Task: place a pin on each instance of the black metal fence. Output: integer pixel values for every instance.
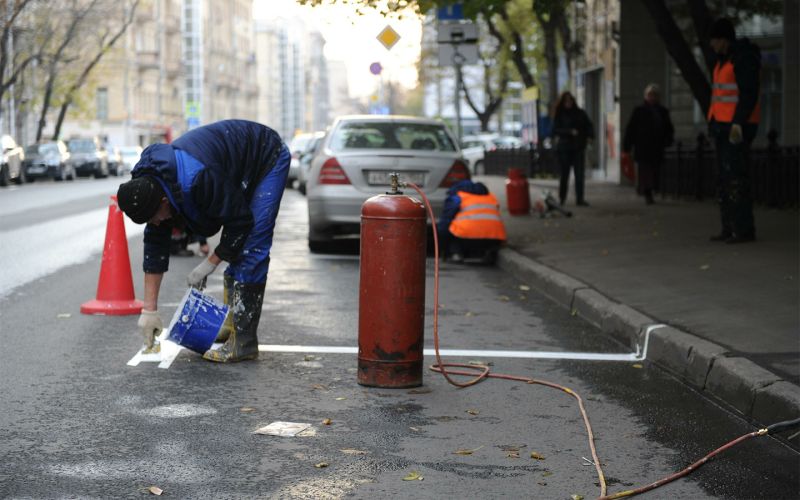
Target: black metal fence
(689, 173)
(692, 173)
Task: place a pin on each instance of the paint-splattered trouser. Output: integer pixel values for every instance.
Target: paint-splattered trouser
(733, 181)
(253, 265)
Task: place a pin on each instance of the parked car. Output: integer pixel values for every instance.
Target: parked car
(88, 157)
(356, 158)
(11, 168)
(475, 146)
(305, 158)
(130, 157)
(297, 145)
(48, 159)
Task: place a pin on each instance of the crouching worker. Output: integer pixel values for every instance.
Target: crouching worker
(228, 175)
(470, 225)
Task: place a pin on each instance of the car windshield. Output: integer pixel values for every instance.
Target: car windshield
(299, 143)
(129, 151)
(41, 149)
(81, 146)
(392, 135)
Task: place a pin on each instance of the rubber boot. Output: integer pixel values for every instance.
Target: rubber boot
(242, 344)
(227, 327)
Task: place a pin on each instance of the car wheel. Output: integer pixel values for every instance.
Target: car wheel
(72, 175)
(61, 175)
(479, 170)
(301, 188)
(4, 177)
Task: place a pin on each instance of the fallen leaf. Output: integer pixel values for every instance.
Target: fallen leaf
(504, 298)
(63, 315)
(466, 452)
(309, 357)
(524, 288)
(413, 476)
(512, 454)
(576, 497)
(155, 490)
(327, 421)
(469, 314)
(319, 387)
(247, 409)
(537, 456)
(321, 465)
(350, 451)
(415, 429)
(637, 365)
(340, 399)
(705, 267)
(547, 473)
(420, 391)
(473, 412)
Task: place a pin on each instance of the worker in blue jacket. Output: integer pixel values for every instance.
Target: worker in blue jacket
(228, 175)
(470, 224)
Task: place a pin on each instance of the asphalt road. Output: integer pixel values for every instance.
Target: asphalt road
(77, 422)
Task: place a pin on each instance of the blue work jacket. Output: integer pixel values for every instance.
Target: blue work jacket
(209, 175)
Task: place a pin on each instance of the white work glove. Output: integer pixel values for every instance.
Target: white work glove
(735, 135)
(150, 326)
(197, 278)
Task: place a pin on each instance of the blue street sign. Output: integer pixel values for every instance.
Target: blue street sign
(192, 122)
(453, 12)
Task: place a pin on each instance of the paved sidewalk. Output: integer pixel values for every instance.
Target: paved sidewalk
(732, 309)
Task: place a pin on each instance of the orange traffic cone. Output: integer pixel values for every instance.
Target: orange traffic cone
(115, 295)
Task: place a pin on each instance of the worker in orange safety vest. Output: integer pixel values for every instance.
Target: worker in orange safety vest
(470, 224)
(733, 122)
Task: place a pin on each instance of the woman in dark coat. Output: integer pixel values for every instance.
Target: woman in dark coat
(572, 129)
(649, 131)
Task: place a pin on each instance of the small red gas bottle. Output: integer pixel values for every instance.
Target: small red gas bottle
(518, 197)
(391, 307)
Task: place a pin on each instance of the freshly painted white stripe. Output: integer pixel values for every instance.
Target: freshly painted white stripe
(170, 350)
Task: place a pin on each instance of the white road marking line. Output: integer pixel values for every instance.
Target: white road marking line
(170, 350)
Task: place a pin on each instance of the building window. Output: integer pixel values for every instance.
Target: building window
(102, 103)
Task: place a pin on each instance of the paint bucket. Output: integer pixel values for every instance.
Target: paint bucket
(197, 321)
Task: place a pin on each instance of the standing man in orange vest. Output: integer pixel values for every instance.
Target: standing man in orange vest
(470, 224)
(733, 121)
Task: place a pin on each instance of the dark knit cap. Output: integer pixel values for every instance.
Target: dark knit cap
(723, 28)
(140, 198)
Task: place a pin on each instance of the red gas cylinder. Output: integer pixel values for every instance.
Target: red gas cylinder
(518, 197)
(391, 308)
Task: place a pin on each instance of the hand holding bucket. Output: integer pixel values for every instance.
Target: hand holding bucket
(197, 278)
(197, 321)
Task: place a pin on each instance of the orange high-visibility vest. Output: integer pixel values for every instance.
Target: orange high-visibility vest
(478, 218)
(725, 96)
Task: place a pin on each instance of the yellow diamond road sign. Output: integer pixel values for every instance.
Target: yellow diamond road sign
(388, 37)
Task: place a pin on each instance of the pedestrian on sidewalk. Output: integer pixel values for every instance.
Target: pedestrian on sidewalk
(228, 175)
(649, 131)
(733, 121)
(470, 225)
(572, 129)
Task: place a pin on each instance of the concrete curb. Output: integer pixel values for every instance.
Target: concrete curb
(761, 396)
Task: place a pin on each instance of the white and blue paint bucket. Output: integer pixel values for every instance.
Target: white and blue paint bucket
(197, 321)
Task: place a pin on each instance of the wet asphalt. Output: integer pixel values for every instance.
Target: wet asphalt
(76, 422)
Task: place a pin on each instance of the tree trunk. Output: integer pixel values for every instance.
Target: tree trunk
(517, 51)
(701, 18)
(48, 94)
(680, 52)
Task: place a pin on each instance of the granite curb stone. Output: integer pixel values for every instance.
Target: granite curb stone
(755, 392)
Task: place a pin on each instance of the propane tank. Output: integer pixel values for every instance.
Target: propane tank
(517, 195)
(391, 305)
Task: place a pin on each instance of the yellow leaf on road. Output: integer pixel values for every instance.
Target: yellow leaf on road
(466, 452)
(524, 288)
(350, 451)
(327, 421)
(637, 365)
(155, 490)
(537, 456)
(321, 465)
(413, 476)
(576, 497)
(473, 412)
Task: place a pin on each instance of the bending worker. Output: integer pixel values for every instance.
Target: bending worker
(733, 121)
(230, 175)
(470, 224)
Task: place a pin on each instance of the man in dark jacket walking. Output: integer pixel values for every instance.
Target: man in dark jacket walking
(572, 129)
(733, 121)
(228, 175)
(649, 131)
